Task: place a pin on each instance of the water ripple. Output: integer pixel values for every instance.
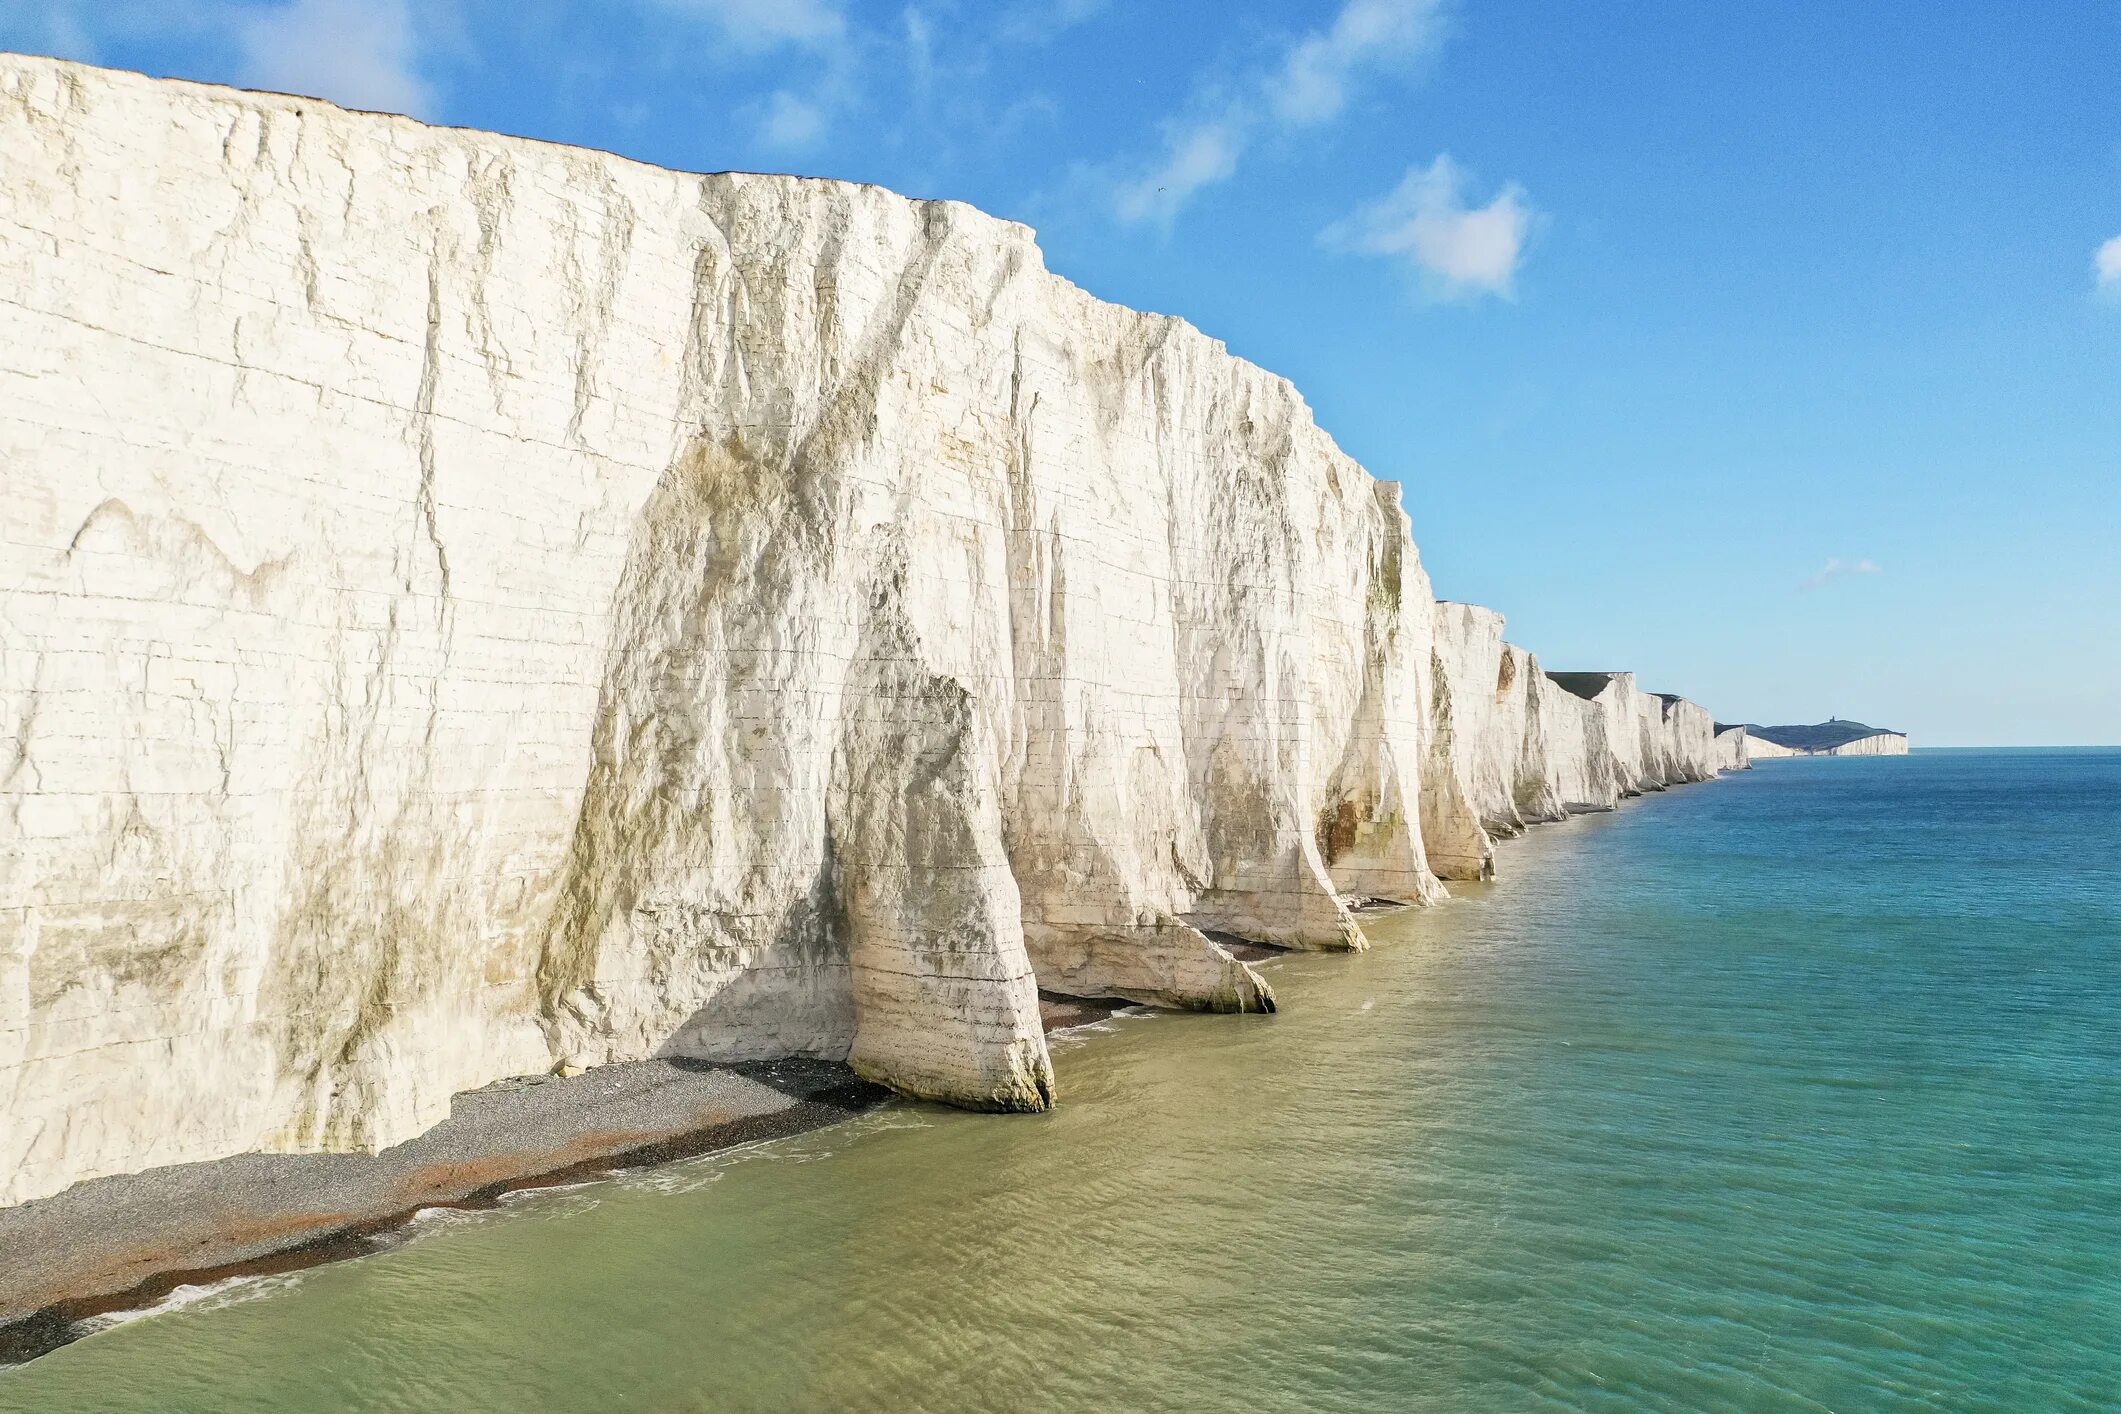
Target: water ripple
(1797, 1092)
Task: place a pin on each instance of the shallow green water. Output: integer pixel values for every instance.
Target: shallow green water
(1797, 1091)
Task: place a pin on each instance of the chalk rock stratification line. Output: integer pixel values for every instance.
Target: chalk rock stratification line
(475, 605)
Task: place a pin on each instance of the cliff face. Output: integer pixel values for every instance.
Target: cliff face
(1877, 744)
(1513, 746)
(475, 605)
(1836, 737)
(1734, 749)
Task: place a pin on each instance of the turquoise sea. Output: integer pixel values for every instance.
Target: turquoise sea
(1796, 1091)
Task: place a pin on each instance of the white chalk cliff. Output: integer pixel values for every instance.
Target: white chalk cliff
(473, 605)
(1734, 748)
(1876, 744)
(1835, 737)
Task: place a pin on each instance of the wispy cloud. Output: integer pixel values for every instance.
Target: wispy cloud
(1320, 70)
(2106, 267)
(1196, 155)
(1035, 21)
(1455, 250)
(796, 72)
(54, 27)
(1836, 568)
(360, 53)
(1310, 81)
(831, 60)
(767, 24)
(790, 123)
(88, 30)
(920, 56)
(928, 78)
(796, 117)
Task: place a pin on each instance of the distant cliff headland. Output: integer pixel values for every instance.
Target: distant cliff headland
(1834, 737)
(480, 608)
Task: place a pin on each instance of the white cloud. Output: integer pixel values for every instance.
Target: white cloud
(1035, 21)
(1457, 250)
(2106, 266)
(790, 123)
(768, 24)
(359, 53)
(87, 30)
(1315, 79)
(916, 71)
(920, 57)
(1310, 82)
(53, 27)
(792, 119)
(1835, 568)
(1194, 157)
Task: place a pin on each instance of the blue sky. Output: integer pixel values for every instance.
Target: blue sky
(1772, 350)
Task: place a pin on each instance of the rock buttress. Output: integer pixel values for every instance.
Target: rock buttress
(476, 605)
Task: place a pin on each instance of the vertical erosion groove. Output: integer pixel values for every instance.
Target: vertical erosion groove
(704, 616)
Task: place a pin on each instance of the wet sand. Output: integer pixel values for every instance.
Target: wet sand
(125, 1242)
(1059, 1013)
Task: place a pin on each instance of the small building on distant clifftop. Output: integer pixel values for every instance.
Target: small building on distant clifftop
(1834, 737)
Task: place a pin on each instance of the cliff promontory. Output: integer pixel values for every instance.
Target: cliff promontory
(475, 606)
(1836, 736)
